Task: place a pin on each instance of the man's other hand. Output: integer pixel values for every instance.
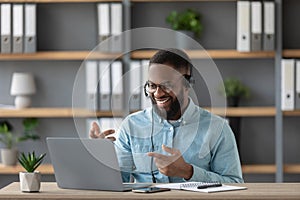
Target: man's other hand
(172, 164)
(96, 133)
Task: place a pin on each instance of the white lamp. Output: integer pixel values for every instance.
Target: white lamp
(22, 86)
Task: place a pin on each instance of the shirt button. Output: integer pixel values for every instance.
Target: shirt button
(171, 128)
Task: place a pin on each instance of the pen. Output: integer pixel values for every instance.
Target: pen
(209, 185)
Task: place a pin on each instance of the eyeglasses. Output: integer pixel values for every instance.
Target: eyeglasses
(167, 87)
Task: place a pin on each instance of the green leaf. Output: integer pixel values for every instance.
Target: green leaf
(30, 162)
(235, 88)
(189, 20)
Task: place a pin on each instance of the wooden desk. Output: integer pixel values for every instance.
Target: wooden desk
(49, 190)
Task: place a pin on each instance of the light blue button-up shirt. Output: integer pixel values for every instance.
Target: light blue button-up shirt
(204, 140)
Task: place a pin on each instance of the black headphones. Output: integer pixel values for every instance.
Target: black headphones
(189, 81)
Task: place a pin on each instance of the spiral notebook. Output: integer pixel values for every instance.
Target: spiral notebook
(193, 186)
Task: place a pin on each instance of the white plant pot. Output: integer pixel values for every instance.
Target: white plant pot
(184, 40)
(9, 156)
(30, 181)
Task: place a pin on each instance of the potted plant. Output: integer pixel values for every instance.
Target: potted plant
(30, 180)
(234, 90)
(9, 153)
(187, 22)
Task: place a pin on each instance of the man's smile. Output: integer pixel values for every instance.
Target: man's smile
(161, 102)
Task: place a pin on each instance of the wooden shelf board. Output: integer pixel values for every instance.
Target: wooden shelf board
(259, 169)
(57, 1)
(96, 1)
(270, 169)
(44, 169)
(157, 1)
(247, 169)
(291, 53)
(215, 54)
(292, 168)
(293, 113)
(141, 54)
(68, 112)
(60, 55)
(245, 111)
(55, 112)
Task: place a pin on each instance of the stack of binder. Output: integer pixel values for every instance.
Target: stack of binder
(255, 26)
(104, 85)
(138, 76)
(110, 24)
(18, 28)
(290, 84)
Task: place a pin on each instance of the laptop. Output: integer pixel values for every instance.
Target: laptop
(91, 164)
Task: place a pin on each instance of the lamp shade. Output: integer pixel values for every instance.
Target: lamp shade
(22, 84)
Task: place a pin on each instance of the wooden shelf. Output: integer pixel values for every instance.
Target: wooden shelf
(245, 111)
(44, 169)
(142, 54)
(247, 169)
(291, 53)
(293, 113)
(157, 1)
(54, 112)
(57, 1)
(215, 54)
(68, 112)
(60, 55)
(95, 1)
(270, 169)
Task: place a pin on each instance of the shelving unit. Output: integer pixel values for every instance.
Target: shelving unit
(278, 168)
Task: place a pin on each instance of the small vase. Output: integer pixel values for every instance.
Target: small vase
(185, 40)
(233, 101)
(30, 181)
(9, 156)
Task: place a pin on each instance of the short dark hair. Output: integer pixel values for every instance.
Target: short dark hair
(175, 57)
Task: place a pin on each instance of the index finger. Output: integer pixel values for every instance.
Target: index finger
(157, 155)
(108, 132)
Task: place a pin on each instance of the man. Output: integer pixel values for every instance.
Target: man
(174, 140)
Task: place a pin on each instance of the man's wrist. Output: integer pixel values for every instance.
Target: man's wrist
(189, 172)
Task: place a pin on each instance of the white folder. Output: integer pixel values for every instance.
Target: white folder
(256, 26)
(117, 85)
(103, 25)
(91, 77)
(297, 80)
(116, 19)
(269, 26)
(243, 26)
(30, 28)
(287, 84)
(104, 86)
(5, 28)
(18, 27)
(135, 86)
(145, 100)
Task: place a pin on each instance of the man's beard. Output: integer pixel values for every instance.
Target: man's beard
(174, 110)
